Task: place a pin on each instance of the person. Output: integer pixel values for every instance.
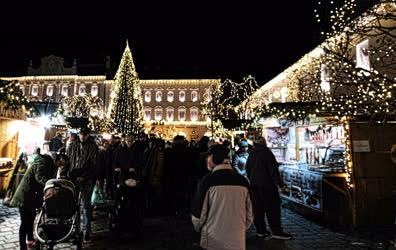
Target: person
(240, 158)
(82, 173)
(263, 173)
(177, 170)
(56, 143)
(29, 194)
(221, 209)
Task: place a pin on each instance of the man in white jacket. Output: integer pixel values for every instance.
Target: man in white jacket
(222, 209)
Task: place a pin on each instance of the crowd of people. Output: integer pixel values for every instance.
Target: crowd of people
(221, 187)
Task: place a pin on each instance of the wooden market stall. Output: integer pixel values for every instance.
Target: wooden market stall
(338, 171)
(17, 135)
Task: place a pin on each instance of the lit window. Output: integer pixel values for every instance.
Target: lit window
(170, 96)
(147, 114)
(147, 96)
(193, 114)
(34, 90)
(182, 114)
(23, 90)
(324, 78)
(50, 90)
(170, 114)
(94, 90)
(158, 113)
(65, 90)
(182, 96)
(158, 96)
(81, 90)
(194, 96)
(362, 55)
(284, 93)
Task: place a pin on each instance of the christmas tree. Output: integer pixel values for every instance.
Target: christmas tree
(125, 100)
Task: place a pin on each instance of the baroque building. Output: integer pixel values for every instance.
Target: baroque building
(170, 106)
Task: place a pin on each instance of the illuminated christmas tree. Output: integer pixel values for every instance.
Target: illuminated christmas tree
(125, 100)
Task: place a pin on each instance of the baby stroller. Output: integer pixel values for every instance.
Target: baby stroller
(127, 214)
(59, 217)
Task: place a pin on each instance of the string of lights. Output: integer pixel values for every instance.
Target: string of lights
(125, 109)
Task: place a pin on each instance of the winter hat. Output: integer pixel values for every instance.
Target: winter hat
(243, 144)
(219, 152)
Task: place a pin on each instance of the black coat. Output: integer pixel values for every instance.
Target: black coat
(263, 169)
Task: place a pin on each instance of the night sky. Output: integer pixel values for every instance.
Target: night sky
(190, 40)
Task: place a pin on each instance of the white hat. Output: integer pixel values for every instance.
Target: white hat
(130, 183)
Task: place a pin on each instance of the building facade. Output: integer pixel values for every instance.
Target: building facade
(171, 106)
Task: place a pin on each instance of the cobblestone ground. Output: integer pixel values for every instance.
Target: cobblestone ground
(177, 234)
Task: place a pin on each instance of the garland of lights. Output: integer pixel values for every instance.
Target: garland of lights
(86, 106)
(11, 95)
(219, 107)
(348, 152)
(126, 107)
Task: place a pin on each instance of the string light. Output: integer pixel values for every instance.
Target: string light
(125, 109)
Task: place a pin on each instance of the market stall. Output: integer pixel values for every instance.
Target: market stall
(312, 165)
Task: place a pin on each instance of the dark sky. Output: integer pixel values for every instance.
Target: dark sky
(168, 39)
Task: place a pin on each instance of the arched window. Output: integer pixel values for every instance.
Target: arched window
(194, 114)
(82, 90)
(50, 90)
(182, 96)
(94, 90)
(158, 96)
(170, 114)
(34, 90)
(147, 96)
(170, 96)
(194, 96)
(182, 114)
(65, 90)
(147, 113)
(158, 113)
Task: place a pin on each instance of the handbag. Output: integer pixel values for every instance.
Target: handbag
(97, 197)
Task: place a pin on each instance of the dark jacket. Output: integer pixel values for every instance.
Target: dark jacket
(263, 169)
(82, 156)
(30, 191)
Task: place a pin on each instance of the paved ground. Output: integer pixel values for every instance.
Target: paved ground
(177, 234)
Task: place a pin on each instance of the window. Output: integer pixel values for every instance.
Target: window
(50, 90)
(194, 114)
(158, 113)
(22, 89)
(81, 90)
(158, 96)
(34, 90)
(194, 96)
(170, 96)
(65, 90)
(182, 96)
(324, 78)
(170, 112)
(182, 114)
(284, 93)
(207, 97)
(147, 114)
(362, 55)
(147, 96)
(94, 90)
